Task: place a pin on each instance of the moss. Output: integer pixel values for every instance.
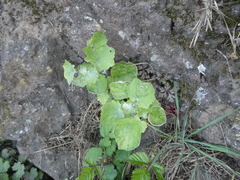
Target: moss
(5, 117)
(48, 7)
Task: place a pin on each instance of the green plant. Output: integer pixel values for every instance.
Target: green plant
(128, 106)
(15, 167)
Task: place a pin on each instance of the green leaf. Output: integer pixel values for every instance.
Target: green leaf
(69, 71)
(129, 109)
(109, 172)
(40, 175)
(109, 150)
(121, 155)
(21, 159)
(4, 165)
(143, 113)
(157, 116)
(159, 171)
(140, 174)
(86, 174)
(98, 171)
(119, 90)
(104, 97)
(98, 53)
(142, 93)
(86, 74)
(99, 86)
(139, 158)
(124, 71)
(5, 154)
(111, 113)
(33, 173)
(128, 133)
(4, 176)
(19, 168)
(93, 154)
(105, 142)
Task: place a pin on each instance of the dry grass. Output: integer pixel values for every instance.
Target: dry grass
(205, 21)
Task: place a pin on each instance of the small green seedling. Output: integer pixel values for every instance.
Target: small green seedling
(16, 169)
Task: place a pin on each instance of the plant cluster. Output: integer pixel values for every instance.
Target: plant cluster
(128, 107)
(15, 167)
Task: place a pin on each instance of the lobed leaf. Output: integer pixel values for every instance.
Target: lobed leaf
(99, 86)
(98, 53)
(4, 176)
(157, 116)
(119, 90)
(5, 153)
(19, 168)
(111, 149)
(128, 133)
(69, 71)
(4, 165)
(111, 113)
(124, 71)
(104, 97)
(93, 154)
(86, 74)
(109, 172)
(142, 93)
(105, 142)
(139, 158)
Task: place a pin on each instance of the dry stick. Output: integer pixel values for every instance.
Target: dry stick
(51, 147)
(229, 69)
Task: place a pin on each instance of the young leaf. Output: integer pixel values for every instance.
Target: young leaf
(4, 166)
(33, 173)
(98, 171)
(159, 171)
(4, 176)
(124, 71)
(21, 159)
(157, 116)
(93, 154)
(19, 168)
(140, 174)
(109, 150)
(111, 113)
(99, 86)
(121, 155)
(104, 97)
(139, 158)
(5, 153)
(69, 71)
(129, 109)
(142, 93)
(109, 172)
(86, 74)
(86, 174)
(98, 53)
(105, 142)
(119, 90)
(142, 112)
(128, 133)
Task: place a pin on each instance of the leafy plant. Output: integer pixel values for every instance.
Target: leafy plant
(15, 167)
(128, 106)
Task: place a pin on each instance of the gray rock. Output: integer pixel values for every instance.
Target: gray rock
(36, 101)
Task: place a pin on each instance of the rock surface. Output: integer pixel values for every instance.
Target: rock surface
(36, 37)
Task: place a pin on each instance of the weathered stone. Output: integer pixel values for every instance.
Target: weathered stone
(36, 101)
